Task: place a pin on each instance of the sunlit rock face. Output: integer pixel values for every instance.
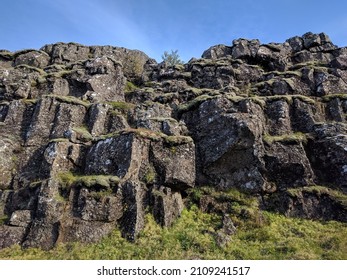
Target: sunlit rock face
(94, 138)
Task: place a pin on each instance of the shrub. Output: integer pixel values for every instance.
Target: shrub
(172, 58)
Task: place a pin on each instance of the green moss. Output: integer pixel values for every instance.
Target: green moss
(129, 87)
(255, 99)
(304, 98)
(36, 184)
(286, 98)
(342, 96)
(177, 140)
(122, 106)
(313, 64)
(83, 133)
(31, 68)
(3, 219)
(69, 100)
(146, 133)
(68, 179)
(61, 73)
(287, 73)
(297, 137)
(55, 68)
(193, 104)
(30, 101)
(150, 175)
(320, 190)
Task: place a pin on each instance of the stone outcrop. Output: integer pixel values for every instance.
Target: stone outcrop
(94, 138)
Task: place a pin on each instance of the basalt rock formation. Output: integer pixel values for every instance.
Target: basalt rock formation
(93, 138)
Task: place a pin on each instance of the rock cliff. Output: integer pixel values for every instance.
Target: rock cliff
(93, 138)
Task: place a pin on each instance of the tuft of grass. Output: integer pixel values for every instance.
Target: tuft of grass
(297, 137)
(193, 104)
(329, 97)
(70, 100)
(121, 106)
(150, 175)
(130, 87)
(177, 140)
(31, 68)
(83, 133)
(3, 219)
(30, 102)
(68, 179)
(335, 194)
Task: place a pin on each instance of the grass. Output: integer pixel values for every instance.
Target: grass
(193, 104)
(130, 87)
(30, 102)
(69, 179)
(83, 133)
(69, 100)
(177, 140)
(121, 106)
(342, 96)
(31, 68)
(3, 219)
(150, 175)
(297, 137)
(334, 194)
(192, 237)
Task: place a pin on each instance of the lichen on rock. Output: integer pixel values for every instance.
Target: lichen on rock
(95, 138)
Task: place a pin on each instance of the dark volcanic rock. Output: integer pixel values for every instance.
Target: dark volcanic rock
(94, 138)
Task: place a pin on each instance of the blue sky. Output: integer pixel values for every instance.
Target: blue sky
(153, 26)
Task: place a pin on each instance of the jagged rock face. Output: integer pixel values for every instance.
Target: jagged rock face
(83, 150)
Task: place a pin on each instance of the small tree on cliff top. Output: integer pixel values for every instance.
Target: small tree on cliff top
(172, 58)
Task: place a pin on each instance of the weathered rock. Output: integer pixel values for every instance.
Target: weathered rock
(73, 230)
(21, 218)
(107, 81)
(229, 146)
(121, 156)
(97, 206)
(165, 157)
(328, 158)
(216, 52)
(167, 205)
(8, 161)
(339, 62)
(61, 53)
(278, 117)
(11, 235)
(98, 118)
(310, 202)
(44, 229)
(37, 59)
(288, 166)
(94, 138)
(243, 48)
(60, 157)
(134, 201)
